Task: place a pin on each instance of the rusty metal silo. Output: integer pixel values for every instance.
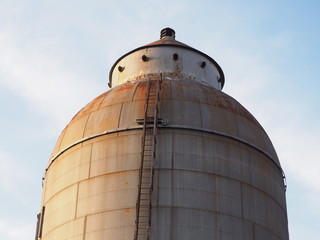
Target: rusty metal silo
(163, 155)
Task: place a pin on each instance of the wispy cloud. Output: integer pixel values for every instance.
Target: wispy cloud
(256, 79)
(16, 229)
(43, 81)
(11, 174)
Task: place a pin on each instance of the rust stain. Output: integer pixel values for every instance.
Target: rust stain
(127, 210)
(125, 87)
(91, 107)
(141, 91)
(221, 100)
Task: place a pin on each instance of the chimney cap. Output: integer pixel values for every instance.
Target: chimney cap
(167, 32)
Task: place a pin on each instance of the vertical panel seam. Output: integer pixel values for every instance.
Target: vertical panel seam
(84, 228)
(76, 209)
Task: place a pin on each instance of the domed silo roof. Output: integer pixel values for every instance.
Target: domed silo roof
(164, 154)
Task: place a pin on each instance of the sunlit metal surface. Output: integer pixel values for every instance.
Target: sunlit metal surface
(216, 174)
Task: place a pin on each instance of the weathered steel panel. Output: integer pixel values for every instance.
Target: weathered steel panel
(263, 210)
(264, 234)
(73, 132)
(130, 112)
(107, 193)
(223, 121)
(56, 148)
(69, 168)
(196, 190)
(140, 90)
(120, 94)
(118, 224)
(94, 105)
(250, 131)
(120, 153)
(186, 223)
(161, 60)
(215, 173)
(103, 120)
(235, 228)
(71, 230)
(187, 90)
(181, 112)
(207, 153)
(60, 209)
(176, 223)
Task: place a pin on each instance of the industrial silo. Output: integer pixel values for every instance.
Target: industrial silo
(163, 155)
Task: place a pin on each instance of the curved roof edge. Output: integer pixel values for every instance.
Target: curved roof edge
(169, 41)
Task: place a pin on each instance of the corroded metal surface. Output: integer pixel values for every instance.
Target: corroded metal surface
(183, 103)
(216, 174)
(189, 65)
(167, 55)
(202, 179)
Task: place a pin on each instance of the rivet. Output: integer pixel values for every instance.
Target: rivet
(175, 56)
(121, 69)
(144, 58)
(203, 64)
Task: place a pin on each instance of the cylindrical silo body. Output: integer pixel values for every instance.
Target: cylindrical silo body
(164, 155)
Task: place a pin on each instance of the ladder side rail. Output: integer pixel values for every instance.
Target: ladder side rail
(142, 158)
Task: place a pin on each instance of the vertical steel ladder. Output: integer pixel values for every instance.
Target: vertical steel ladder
(143, 218)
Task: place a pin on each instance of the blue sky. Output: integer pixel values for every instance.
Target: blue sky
(55, 57)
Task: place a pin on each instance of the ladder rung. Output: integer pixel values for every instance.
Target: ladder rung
(145, 195)
(146, 184)
(145, 207)
(147, 161)
(145, 227)
(147, 169)
(147, 192)
(146, 179)
(147, 211)
(148, 150)
(143, 236)
(145, 154)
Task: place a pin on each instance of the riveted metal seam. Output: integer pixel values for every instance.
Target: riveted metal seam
(222, 176)
(221, 213)
(227, 136)
(184, 127)
(89, 138)
(111, 173)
